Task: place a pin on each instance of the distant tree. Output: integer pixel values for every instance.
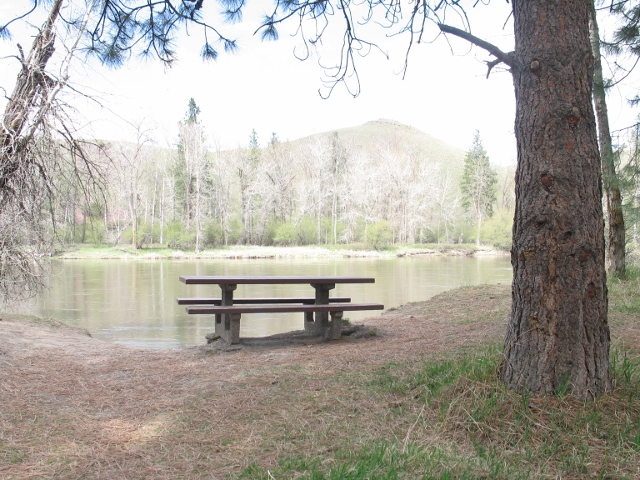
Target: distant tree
(192, 150)
(315, 191)
(193, 111)
(610, 179)
(249, 198)
(630, 185)
(221, 170)
(132, 162)
(478, 183)
(279, 173)
(339, 165)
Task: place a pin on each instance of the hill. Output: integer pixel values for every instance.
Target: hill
(375, 136)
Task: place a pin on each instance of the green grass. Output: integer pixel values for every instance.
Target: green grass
(469, 426)
(456, 420)
(624, 294)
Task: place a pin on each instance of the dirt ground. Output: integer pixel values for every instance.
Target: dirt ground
(72, 406)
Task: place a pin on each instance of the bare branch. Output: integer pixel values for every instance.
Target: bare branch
(501, 57)
(37, 152)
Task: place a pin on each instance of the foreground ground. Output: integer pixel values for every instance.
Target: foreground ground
(416, 400)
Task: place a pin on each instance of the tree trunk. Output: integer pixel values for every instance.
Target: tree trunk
(133, 210)
(610, 182)
(162, 214)
(198, 214)
(479, 221)
(28, 104)
(558, 336)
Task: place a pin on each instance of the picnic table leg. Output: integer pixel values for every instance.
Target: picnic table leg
(335, 329)
(232, 334)
(224, 323)
(321, 323)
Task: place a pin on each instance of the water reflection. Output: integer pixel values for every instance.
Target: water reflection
(134, 301)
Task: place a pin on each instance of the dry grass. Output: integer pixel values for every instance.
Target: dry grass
(75, 407)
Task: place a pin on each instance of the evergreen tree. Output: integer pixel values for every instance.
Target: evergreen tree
(249, 199)
(193, 111)
(478, 183)
(190, 171)
(254, 147)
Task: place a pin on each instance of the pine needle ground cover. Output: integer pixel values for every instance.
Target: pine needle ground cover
(420, 399)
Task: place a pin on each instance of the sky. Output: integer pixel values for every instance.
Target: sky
(444, 92)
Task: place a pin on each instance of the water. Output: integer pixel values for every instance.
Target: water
(133, 302)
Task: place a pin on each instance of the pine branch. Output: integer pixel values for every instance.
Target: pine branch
(501, 57)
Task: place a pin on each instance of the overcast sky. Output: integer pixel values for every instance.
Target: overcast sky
(263, 86)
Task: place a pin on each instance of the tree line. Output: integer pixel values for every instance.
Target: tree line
(325, 189)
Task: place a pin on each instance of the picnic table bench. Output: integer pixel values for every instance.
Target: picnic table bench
(317, 310)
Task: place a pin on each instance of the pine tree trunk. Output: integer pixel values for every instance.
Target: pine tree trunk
(616, 243)
(558, 336)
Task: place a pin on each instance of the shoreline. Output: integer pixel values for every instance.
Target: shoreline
(83, 252)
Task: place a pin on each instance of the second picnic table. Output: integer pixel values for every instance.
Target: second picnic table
(322, 305)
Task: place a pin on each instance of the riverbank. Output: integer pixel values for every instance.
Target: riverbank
(418, 398)
(248, 252)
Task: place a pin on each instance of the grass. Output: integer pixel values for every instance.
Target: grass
(456, 420)
(623, 294)
(462, 423)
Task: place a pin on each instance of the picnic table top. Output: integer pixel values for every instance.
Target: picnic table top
(270, 279)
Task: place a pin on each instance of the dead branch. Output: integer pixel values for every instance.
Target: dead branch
(501, 57)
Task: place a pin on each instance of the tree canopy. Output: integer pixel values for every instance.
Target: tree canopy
(119, 29)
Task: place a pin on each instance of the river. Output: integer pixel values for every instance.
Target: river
(133, 302)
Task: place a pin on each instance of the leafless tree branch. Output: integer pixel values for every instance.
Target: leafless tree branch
(501, 57)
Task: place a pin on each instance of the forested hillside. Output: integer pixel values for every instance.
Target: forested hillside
(379, 183)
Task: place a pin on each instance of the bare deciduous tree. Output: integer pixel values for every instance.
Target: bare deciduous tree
(36, 139)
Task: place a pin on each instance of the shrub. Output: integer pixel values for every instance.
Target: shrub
(307, 231)
(379, 235)
(177, 236)
(497, 229)
(213, 233)
(285, 234)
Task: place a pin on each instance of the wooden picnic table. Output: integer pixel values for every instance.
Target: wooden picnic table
(321, 307)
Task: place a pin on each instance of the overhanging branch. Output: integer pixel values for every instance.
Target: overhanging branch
(501, 57)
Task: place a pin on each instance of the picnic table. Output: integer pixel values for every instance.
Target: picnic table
(317, 309)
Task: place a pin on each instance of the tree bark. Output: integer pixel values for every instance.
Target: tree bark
(478, 230)
(558, 335)
(29, 101)
(610, 181)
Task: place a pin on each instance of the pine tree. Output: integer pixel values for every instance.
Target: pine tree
(478, 183)
(190, 170)
(193, 111)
